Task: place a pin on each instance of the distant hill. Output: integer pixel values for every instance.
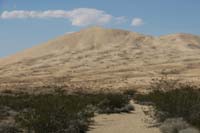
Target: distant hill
(104, 58)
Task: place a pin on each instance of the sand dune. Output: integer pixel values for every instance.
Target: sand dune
(106, 58)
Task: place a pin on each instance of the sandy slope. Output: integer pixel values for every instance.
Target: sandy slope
(135, 122)
(104, 58)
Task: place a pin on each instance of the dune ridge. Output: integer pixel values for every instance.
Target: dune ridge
(110, 58)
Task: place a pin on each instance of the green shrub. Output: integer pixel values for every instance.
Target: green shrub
(173, 125)
(113, 103)
(130, 92)
(173, 99)
(60, 112)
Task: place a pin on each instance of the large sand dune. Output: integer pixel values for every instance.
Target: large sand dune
(105, 58)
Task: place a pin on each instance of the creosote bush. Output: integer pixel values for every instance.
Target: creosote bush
(60, 112)
(173, 99)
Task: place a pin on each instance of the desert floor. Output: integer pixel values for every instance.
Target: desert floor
(135, 122)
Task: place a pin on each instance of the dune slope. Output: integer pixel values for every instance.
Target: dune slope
(106, 58)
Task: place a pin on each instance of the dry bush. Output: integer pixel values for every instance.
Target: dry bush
(172, 99)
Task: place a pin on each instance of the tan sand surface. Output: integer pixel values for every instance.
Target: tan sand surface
(134, 122)
(97, 57)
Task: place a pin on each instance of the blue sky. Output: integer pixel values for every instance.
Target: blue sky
(24, 23)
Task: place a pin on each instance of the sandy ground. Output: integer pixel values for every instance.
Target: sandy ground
(103, 58)
(134, 122)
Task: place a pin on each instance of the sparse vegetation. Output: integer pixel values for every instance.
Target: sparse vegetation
(173, 125)
(59, 112)
(176, 105)
(173, 99)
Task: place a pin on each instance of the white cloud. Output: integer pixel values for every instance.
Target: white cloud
(87, 16)
(17, 14)
(78, 17)
(69, 32)
(137, 22)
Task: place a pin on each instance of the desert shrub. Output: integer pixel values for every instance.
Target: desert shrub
(189, 130)
(173, 99)
(52, 113)
(130, 93)
(165, 84)
(60, 112)
(6, 128)
(173, 125)
(7, 91)
(113, 103)
(177, 125)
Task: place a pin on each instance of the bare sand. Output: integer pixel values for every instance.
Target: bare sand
(103, 58)
(134, 122)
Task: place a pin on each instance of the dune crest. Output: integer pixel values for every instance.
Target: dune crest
(106, 57)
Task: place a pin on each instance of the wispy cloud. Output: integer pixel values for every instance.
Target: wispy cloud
(137, 22)
(69, 32)
(85, 16)
(77, 17)
(120, 20)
